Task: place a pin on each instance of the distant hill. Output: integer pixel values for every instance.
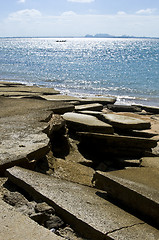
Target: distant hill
(105, 35)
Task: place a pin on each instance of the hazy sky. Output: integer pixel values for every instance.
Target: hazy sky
(79, 17)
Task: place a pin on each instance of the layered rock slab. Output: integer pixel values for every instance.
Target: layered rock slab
(15, 226)
(116, 145)
(120, 121)
(22, 123)
(91, 106)
(83, 122)
(137, 188)
(86, 209)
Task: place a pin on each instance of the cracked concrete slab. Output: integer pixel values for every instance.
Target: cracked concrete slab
(86, 209)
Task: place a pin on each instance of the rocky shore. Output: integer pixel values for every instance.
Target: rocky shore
(76, 168)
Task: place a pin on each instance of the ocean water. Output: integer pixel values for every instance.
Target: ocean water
(125, 68)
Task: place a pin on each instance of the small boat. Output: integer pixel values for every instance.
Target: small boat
(60, 40)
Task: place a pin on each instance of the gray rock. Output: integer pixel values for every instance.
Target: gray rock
(54, 222)
(93, 107)
(44, 208)
(125, 122)
(83, 122)
(84, 208)
(123, 108)
(101, 100)
(15, 226)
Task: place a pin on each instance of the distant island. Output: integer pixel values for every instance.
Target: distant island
(105, 35)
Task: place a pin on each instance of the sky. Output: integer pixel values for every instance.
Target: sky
(24, 18)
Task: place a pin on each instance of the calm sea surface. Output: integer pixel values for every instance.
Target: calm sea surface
(126, 68)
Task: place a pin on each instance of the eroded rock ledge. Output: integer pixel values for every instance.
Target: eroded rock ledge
(83, 142)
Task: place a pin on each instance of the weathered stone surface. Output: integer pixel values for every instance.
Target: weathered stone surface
(9, 89)
(150, 162)
(56, 123)
(93, 107)
(115, 145)
(73, 172)
(137, 188)
(150, 109)
(125, 122)
(60, 97)
(102, 100)
(82, 122)
(120, 121)
(86, 209)
(15, 226)
(22, 123)
(123, 108)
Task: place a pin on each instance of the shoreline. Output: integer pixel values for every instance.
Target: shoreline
(72, 154)
(123, 100)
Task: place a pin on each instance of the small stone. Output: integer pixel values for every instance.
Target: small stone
(44, 208)
(54, 222)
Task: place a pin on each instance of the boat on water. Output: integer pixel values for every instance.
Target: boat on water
(60, 40)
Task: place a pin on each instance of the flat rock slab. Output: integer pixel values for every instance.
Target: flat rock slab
(7, 88)
(60, 97)
(15, 226)
(123, 108)
(120, 121)
(101, 100)
(137, 188)
(92, 106)
(83, 122)
(22, 123)
(125, 122)
(120, 141)
(86, 209)
(22, 140)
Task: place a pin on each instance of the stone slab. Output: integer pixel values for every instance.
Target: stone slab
(27, 89)
(60, 97)
(84, 208)
(116, 145)
(91, 106)
(101, 100)
(15, 226)
(120, 121)
(120, 141)
(137, 188)
(73, 172)
(83, 122)
(150, 162)
(22, 126)
(123, 108)
(125, 122)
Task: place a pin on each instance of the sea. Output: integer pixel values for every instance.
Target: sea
(127, 68)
